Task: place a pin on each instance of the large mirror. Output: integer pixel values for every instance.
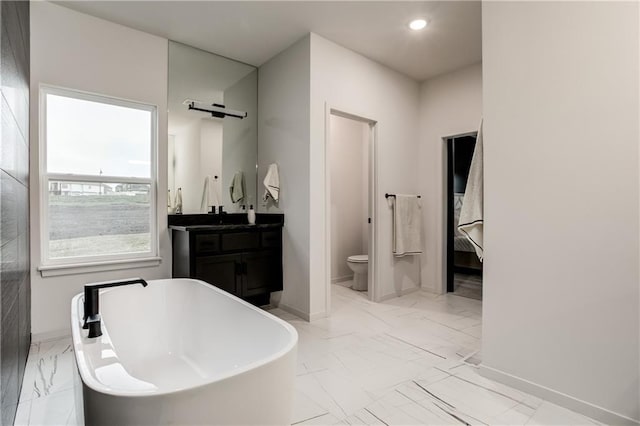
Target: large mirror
(213, 131)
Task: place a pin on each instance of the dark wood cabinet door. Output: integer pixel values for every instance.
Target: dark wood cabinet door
(262, 272)
(221, 271)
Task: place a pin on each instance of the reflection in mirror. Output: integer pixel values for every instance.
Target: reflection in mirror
(212, 159)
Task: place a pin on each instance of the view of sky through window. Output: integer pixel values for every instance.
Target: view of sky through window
(92, 138)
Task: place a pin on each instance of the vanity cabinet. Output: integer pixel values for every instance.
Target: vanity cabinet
(245, 261)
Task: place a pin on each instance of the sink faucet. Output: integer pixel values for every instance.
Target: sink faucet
(91, 305)
(221, 214)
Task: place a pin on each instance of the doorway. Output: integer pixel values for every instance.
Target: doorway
(464, 269)
(350, 195)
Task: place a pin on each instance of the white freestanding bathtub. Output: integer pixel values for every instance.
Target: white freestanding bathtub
(182, 352)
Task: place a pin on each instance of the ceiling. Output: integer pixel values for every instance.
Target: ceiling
(255, 31)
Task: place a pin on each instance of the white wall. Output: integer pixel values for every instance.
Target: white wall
(450, 104)
(197, 153)
(73, 50)
(294, 89)
(348, 153)
(561, 120)
(211, 155)
(171, 173)
(240, 141)
(186, 157)
(365, 159)
(283, 128)
(347, 81)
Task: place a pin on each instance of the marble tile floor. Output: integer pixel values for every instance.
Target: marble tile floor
(47, 396)
(401, 362)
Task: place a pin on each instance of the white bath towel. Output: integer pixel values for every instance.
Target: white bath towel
(472, 212)
(272, 183)
(237, 187)
(209, 194)
(407, 218)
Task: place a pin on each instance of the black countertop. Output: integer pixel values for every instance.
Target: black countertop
(225, 222)
(225, 227)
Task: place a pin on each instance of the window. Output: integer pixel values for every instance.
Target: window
(98, 183)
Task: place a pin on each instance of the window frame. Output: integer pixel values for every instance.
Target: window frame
(45, 177)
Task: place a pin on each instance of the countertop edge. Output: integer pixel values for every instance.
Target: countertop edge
(224, 227)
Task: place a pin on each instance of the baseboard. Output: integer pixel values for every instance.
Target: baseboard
(402, 293)
(317, 316)
(437, 289)
(432, 291)
(305, 316)
(556, 397)
(342, 279)
(50, 335)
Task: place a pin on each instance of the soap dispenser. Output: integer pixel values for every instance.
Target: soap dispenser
(251, 215)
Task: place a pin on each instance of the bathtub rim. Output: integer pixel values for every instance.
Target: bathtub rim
(77, 339)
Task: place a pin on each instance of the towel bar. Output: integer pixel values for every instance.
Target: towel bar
(393, 195)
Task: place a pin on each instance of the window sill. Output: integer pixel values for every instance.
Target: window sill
(87, 268)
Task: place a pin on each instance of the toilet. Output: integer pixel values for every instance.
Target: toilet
(359, 264)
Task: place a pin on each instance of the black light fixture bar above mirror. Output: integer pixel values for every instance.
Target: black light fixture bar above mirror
(219, 111)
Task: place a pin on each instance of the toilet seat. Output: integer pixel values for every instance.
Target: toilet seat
(358, 258)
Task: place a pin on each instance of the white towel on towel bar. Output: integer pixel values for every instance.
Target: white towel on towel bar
(407, 231)
(272, 183)
(472, 212)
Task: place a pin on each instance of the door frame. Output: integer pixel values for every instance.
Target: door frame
(447, 229)
(449, 216)
(372, 274)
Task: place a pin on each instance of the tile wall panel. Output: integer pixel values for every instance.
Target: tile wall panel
(8, 208)
(15, 282)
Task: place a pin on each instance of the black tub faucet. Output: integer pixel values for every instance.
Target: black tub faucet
(92, 306)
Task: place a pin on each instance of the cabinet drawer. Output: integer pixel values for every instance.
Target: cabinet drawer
(240, 241)
(207, 243)
(271, 239)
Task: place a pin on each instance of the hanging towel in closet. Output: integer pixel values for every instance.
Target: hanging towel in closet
(237, 187)
(472, 212)
(406, 225)
(272, 183)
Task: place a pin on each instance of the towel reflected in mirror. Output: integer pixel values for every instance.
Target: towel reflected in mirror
(237, 188)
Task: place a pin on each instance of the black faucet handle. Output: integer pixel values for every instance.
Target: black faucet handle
(94, 326)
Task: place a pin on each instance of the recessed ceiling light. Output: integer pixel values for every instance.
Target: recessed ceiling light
(417, 24)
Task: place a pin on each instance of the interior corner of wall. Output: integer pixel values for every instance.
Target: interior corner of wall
(318, 315)
(431, 288)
